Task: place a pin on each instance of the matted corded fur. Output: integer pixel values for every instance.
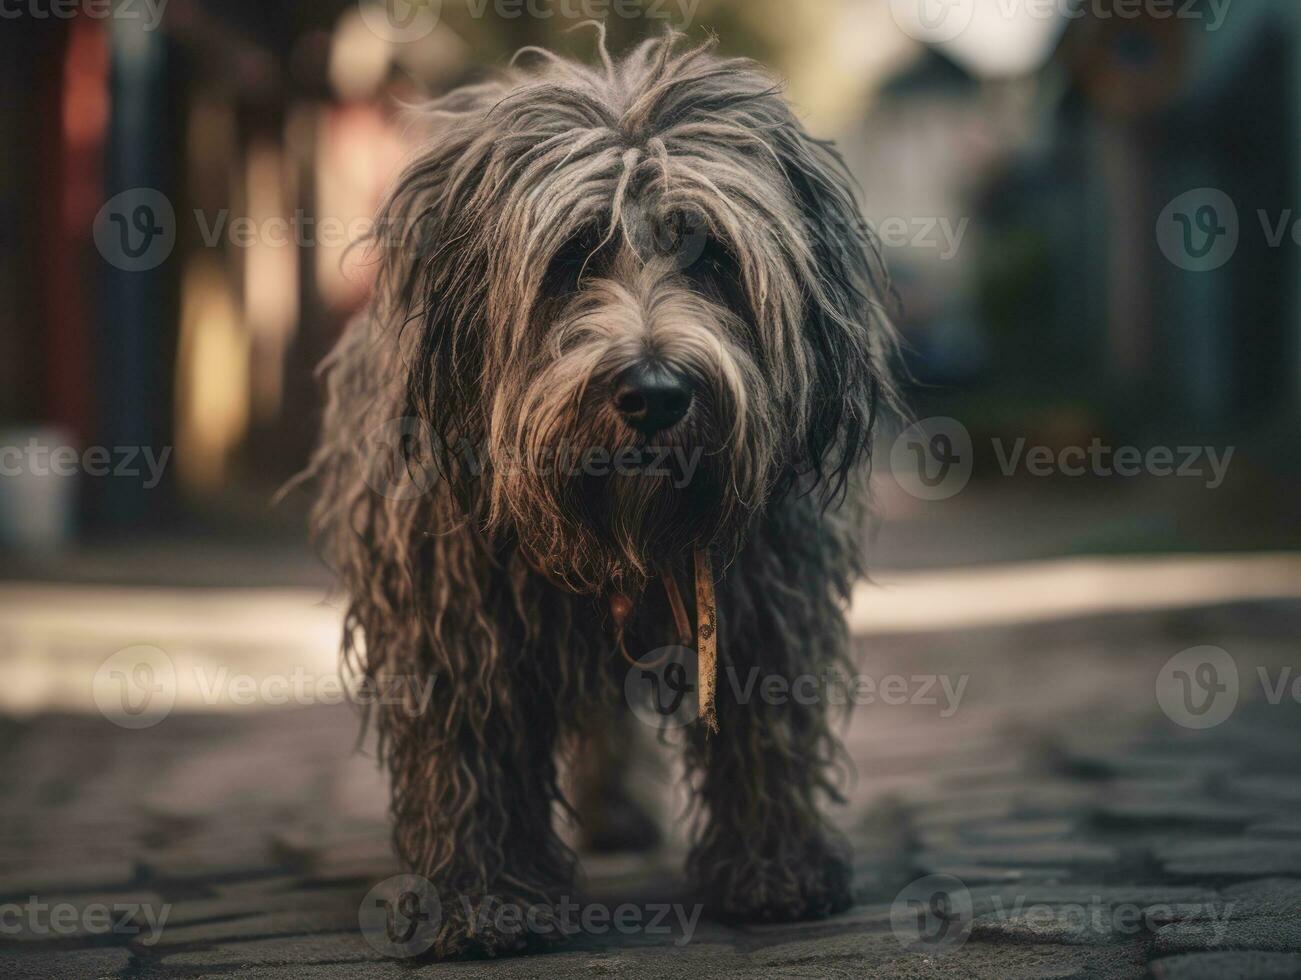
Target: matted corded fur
(562, 223)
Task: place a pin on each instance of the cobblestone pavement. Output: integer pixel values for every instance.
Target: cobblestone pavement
(1089, 832)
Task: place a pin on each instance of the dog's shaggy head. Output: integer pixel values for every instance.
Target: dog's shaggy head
(644, 297)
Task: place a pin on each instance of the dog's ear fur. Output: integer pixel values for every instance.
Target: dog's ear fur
(433, 279)
(848, 330)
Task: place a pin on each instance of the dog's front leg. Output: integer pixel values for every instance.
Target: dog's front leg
(766, 853)
(473, 788)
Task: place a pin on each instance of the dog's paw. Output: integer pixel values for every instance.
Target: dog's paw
(494, 927)
(769, 891)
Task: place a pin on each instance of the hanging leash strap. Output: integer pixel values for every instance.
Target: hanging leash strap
(706, 632)
(706, 638)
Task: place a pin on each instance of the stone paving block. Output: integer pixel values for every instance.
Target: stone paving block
(331, 971)
(1163, 786)
(190, 911)
(1228, 966)
(1282, 789)
(1071, 926)
(81, 964)
(1040, 853)
(711, 961)
(1260, 915)
(1285, 892)
(1020, 831)
(1241, 857)
(1176, 810)
(1141, 896)
(861, 919)
(262, 884)
(870, 947)
(306, 847)
(341, 947)
(972, 875)
(334, 870)
(68, 879)
(298, 923)
(930, 814)
(1183, 760)
(1285, 827)
(983, 961)
(204, 864)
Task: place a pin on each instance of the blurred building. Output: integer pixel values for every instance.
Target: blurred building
(267, 132)
(1017, 175)
(1059, 310)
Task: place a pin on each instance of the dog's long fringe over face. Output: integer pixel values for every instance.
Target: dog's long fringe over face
(565, 223)
(562, 225)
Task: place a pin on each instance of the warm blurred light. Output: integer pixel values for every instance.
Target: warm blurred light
(212, 385)
(1001, 594)
(57, 637)
(438, 60)
(270, 277)
(833, 76)
(85, 120)
(357, 154)
(85, 85)
(359, 58)
(1007, 40)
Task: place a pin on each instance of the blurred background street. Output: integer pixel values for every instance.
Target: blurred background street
(1092, 214)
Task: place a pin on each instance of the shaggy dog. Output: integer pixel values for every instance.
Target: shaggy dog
(650, 258)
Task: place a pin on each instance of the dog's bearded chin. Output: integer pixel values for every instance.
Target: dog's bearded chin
(610, 532)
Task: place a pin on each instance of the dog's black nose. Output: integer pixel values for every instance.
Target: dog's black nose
(652, 397)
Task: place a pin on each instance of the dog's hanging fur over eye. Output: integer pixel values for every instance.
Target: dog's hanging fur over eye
(647, 259)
